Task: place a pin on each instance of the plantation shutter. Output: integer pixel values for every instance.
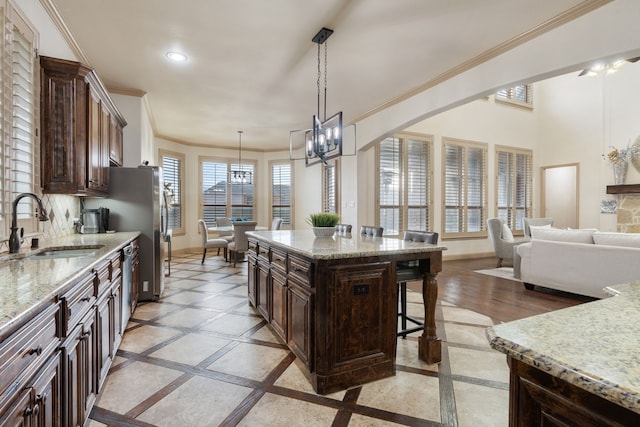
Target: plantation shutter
(281, 193)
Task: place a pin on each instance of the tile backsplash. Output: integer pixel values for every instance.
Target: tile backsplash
(62, 210)
(628, 214)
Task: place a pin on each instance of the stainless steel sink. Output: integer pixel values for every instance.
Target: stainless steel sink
(64, 252)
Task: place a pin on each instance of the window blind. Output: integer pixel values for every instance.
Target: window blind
(172, 172)
(281, 193)
(514, 186)
(465, 188)
(329, 189)
(221, 198)
(520, 93)
(242, 195)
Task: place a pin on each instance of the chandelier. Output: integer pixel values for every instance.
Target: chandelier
(323, 141)
(239, 175)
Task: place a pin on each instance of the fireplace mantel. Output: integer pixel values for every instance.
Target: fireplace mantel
(623, 189)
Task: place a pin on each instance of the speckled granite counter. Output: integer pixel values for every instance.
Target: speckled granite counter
(26, 283)
(303, 242)
(594, 346)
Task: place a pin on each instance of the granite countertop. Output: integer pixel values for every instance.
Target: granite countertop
(339, 246)
(27, 283)
(594, 346)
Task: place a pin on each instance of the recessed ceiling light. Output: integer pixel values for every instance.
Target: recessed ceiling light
(177, 56)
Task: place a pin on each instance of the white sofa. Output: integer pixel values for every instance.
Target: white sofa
(579, 261)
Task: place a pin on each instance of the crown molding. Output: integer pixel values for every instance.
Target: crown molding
(57, 20)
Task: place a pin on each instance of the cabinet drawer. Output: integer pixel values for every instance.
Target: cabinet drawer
(253, 247)
(76, 302)
(301, 268)
(263, 252)
(279, 260)
(24, 351)
(103, 272)
(115, 269)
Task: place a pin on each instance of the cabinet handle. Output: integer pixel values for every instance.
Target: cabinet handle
(41, 397)
(37, 350)
(36, 410)
(85, 336)
(86, 299)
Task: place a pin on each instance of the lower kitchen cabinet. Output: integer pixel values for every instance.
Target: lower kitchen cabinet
(80, 371)
(279, 303)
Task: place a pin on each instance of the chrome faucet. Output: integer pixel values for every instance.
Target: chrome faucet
(14, 240)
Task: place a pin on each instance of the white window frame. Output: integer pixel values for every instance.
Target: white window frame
(331, 187)
(513, 96)
(20, 162)
(517, 186)
(403, 181)
(178, 190)
(285, 224)
(464, 179)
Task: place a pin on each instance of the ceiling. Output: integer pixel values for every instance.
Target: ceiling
(252, 65)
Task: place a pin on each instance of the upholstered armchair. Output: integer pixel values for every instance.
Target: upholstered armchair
(240, 243)
(502, 239)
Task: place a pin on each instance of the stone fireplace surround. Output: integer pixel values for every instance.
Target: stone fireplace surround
(628, 212)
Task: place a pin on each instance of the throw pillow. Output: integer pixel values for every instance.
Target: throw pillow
(558, 235)
(536, 227)
(506, 233)
(628, 240)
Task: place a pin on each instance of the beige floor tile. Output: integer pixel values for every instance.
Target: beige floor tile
(183, 284)
(180, 274)
(127, 387)
(455, 314)
(187, 317)
(232, 324)
(210, 277)
(145, 337)
(215, 287)
(266, 334)
(239, 290)
(479, 406)
(92, 423)
(186, 297)
(191, 349)
(362, 421)
(277, 411)
(404, 393)
(151, 310)
(221, 302)
(294, 378)
(249, 361)
(198, 402)
(463, 334)
(487, 365)
(246, 308)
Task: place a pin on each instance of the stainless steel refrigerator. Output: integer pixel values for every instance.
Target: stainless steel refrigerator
(134, 204)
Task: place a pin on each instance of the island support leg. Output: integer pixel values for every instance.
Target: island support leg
(429, 346)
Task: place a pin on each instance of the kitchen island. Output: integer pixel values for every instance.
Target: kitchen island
(334, 301)
(577, 366)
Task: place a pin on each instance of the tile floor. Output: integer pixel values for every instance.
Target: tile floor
(201, 356)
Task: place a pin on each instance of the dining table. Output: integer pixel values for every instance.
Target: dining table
(227, 228)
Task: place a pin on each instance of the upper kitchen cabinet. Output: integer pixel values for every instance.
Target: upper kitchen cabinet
(81, 130)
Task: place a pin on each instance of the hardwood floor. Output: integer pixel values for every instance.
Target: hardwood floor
(501, 299)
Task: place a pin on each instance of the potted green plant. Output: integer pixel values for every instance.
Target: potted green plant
(323, 223)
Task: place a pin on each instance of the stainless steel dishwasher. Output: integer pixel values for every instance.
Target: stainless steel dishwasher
(127, 265)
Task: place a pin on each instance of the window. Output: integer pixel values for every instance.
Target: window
(464, 188)
(173, 177)
(513, 186)
(330, 200)
(404, 184)
(520, 95)
(220, 198)
(281, 190)
(18, 118)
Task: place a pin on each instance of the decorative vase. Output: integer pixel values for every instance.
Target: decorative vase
(620, 171)
(324, 231)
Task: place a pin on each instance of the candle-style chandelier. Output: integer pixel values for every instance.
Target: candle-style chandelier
(240, 176)
(323, 141)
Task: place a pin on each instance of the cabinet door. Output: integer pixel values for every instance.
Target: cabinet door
(116, 293)
(279, 303)
(299, 323)
(46, 409)
(263, 288)
(115, 142)
(19, 414)
(79, 369)
(94, 150)
(105, 143)
(251, 279)
(104, 338)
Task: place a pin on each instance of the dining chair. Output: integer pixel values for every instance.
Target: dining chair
(371, 231)
(407, 271)
(224, 222)
(343, 228)
(240, 243)
(276, 223)
(210, 243)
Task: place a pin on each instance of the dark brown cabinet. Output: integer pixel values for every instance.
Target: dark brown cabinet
(299, 318)
(252, 270)
(81, 129)
(279, 303)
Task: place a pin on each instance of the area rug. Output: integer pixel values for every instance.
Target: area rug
(502, 272)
